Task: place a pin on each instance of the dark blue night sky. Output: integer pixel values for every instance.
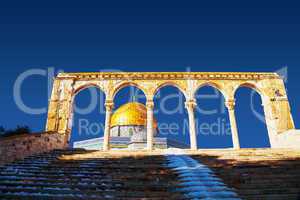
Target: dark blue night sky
(139, 36)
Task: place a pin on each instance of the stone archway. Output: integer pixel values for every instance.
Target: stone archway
(180, 86)
(125, 84)
(250, 112)
(212, 117)
(129, 100)
(91, 120)
(276, 105)
(171, 114)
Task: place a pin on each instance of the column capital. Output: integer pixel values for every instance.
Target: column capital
(149, 96)
(190, 104)
(230, 104)
(150, 104)
(109, 105)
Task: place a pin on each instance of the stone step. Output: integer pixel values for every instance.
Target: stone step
(271, 197)
(148, 183)
(77, 170)
(92, 185)
(50, 177)
(72, 174)
(129, 182)
(190, 171)
(50, 173)
(35, 196)
(96, 192)
(103, 164)
(262, 180)
(269, 191)
(104, 183)
(268, 179)
(76, 191)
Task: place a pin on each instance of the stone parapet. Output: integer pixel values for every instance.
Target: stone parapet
(20, 146)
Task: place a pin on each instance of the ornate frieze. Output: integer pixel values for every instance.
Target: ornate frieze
(169, 75)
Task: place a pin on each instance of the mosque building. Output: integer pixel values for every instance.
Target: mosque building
(129, 131)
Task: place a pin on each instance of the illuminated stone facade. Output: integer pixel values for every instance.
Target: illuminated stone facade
(270, 86)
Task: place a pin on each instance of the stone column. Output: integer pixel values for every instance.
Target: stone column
(108, 107)
(230, 104)
(150, 106)
(53, 114)
(190, 105)
(65, 106)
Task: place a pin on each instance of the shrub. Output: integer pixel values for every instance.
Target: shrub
(17, 131)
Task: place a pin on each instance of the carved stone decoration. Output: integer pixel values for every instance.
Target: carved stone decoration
(269, 85)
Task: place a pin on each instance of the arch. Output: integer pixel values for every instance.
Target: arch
(250, 85)
(250, 117)
(126, 84)
(78, 88)
(92, 117)
(170, 83)
(82, 87)
(126, 94)
(133, 110)
(172, 118)
(213, 124)
(210, 84)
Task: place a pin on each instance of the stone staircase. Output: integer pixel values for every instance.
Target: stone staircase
(47, 176)
(259, 178)
(79, 174)
(197, 181)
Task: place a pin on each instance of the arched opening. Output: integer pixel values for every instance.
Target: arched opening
(88, 118)
(127, 94)
(212, 119)
(249, 112)
(128, 122)
(170, 112)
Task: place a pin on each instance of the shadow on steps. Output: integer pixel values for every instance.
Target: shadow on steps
(256, 178)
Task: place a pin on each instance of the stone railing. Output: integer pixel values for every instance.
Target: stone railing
(20, 146)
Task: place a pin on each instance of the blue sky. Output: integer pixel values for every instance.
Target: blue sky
(164, 36)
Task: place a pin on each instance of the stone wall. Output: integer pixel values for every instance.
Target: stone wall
(20, 146)
(289, 139)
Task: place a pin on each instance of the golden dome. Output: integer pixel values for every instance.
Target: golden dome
(132, 113)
